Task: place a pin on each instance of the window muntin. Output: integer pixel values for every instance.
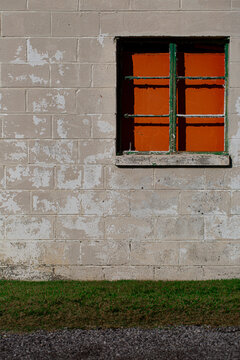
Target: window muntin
(174, 83)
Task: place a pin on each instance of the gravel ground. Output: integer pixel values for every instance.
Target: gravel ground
(172, 343)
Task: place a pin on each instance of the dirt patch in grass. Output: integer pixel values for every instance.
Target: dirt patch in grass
(29, 306)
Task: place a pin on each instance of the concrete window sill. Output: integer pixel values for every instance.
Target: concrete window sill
(173, 160)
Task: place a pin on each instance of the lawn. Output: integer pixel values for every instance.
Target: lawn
(28, 306)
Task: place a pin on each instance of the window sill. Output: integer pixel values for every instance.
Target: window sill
(173, 160)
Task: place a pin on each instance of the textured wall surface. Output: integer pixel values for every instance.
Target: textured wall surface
(66, 210)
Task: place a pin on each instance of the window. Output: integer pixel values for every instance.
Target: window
(172, 100)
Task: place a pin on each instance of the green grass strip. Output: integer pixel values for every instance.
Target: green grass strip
(28, 306)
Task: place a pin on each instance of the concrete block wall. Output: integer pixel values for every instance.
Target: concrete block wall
(66, 210)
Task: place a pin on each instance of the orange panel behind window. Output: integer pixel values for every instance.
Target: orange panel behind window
(150, 96)
(200, 97)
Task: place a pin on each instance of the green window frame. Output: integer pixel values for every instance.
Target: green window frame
(173, 77)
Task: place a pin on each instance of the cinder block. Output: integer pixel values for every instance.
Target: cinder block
(26, 24)
(52, 101)
(36, 253)
(155, 5)
(221, 272)
(179, 179)
(160, 253)
(51, 50)
(128, 228)
(71, 127)
(25, 75)
(24, 253)
(105, 203)
(79, 227)
(2, 227)
(75, 24)
(105, 253)
(234, 77)
(13, 4)
(70, 75)
(29, 177)
(166, 273)
(234, 128)
(104, 5)
(13, 151)
(29, 227)
(86, 273)
(13, 50)
(142, 23)
(69, 5)
(209, 23)
(93, 177)
(12, 100)
(56, 202)
(2, 178)
(234, 49)
(234, 101)
(33, 273)
(69, 177)
(222, 227)
(53, 151)
(232, 179)
(216, 179)
(1, 126)
(57, 253)
(148, 203)
(27, 126)
(128, 179)
(235, 5)
(96, 151)
(205, 202)
(96, 101)
(97, 50)
(235, 203)
(104, 126)
(104, 75)
(234, 151)
(14, 202)
(179, 228)
(213, 253)
(113, 273)
(206, 4)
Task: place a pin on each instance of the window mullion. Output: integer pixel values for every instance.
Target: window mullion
(172, 97)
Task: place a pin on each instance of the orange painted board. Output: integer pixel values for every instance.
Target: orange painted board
(201, 64)
(200, 134)
(151, 134)
(200, 97)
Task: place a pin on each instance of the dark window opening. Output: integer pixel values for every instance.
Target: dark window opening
(172, 95)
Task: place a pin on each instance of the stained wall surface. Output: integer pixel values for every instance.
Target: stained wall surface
(66, 210)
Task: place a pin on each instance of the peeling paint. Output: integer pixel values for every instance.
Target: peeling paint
(92, 177)
(28, 228)
(101, 38)
(17, 59)
(38, 80)
(104, 126)
(39, 177)
(66, 181)
(35, 58)
(62, 133)
(89, 226)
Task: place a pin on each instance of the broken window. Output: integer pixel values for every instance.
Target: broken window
(172, 95)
